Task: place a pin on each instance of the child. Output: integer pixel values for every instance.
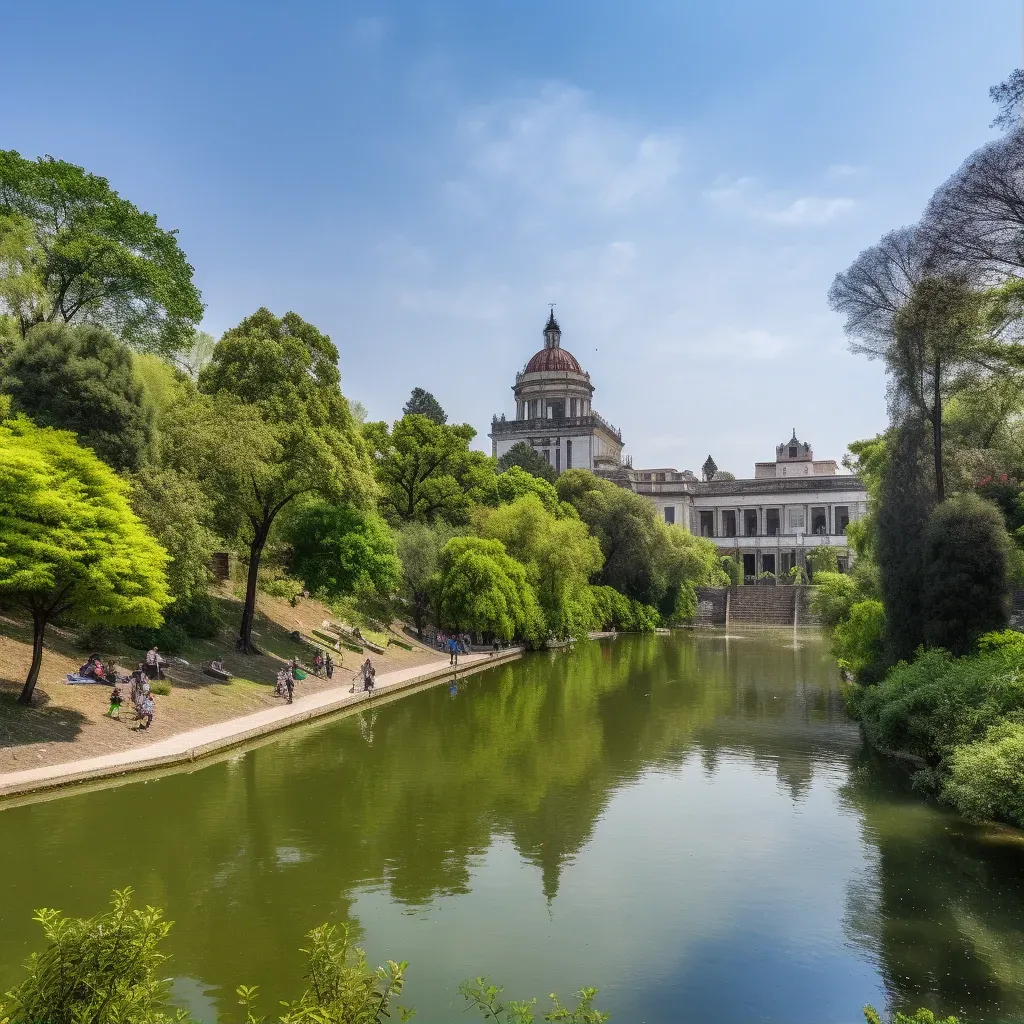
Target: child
(115, 702)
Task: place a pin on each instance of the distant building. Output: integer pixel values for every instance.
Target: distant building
(768, 523)
(554, 414)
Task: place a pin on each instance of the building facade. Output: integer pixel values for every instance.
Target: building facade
(555, 414)
(767, 523)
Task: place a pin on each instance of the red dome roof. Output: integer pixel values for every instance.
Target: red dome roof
(553, 359)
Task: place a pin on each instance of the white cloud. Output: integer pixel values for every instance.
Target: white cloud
(555, 147)
(745, 196)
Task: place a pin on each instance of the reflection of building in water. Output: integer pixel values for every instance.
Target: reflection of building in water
(768, 522)
(554, 415)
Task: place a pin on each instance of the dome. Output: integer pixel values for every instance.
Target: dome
(555, 359)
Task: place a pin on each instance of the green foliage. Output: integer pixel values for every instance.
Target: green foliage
(559, 556)
(484, 590)
(921, 1016)
(427, 471)
(423, 403)
(966, 584)
(72, 249)
(733, 570)
(343, 989)
(419, 550)
(342, 550)
(69, 541)
(612, 610)
(858, 640)
(276, 426)
(528, 459)
(822, 559)
(515, 482)
(104, 969)
(833, 596)
(486, 998)
(80, 378)
(986, 778)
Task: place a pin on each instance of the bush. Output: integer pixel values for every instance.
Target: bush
(986, 778)
(733, 570)
(858, 640)
(833, 596)
(966, 583)
(823, 559)
(613, 610)
(161, 688)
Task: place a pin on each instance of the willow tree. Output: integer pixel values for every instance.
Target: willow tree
(69, 541)
(278, 426)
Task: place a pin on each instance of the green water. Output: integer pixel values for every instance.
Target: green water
(688, 822)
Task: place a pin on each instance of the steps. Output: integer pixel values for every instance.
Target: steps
(762, 606)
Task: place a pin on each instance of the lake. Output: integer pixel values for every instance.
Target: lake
(690, 823)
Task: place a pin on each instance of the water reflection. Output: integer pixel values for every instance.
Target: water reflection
(685, 821)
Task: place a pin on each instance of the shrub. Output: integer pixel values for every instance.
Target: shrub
(161, 688)
(823, 559)
(858, 640)
(986, 778)
(833, 597)
(966, 584)
(733, 570)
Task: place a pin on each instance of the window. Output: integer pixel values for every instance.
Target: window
(660, 477)
(670, 514)
(819, 521)
(707, 524)
(796, 518)
(792, 451)
(772, 522)
(568, 453)
(547, 454)
(558, 460)
(750, 522)
(842, 514)
(729, 522)
(768, 564)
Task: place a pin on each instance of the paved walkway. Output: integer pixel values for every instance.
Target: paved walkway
(197, 743)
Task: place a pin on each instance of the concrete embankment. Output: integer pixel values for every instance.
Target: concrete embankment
(185, 748)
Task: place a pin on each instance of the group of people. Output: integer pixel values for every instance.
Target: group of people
(323, 665)
(454, 643)
(139, 694)
(287, 677)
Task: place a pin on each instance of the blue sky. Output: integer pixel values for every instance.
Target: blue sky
(421, 178)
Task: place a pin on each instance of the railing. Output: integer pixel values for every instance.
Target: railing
(552, 424)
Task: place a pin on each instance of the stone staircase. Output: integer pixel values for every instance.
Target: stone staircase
(762, 606)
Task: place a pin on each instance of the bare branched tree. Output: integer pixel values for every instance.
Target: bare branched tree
(1009, 97)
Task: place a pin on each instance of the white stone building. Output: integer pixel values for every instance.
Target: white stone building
(554, 413)
(767, 523)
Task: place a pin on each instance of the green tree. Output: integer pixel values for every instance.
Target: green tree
(525, 457)
(824, 559)
(966, 586)
(80, 378)
(485, 590)
(69, 541)
(278, 427)
(516, 482)
(560, 556)
(342, 550)
(427, 471)
(93, 255)
(423, 403)
(419, 551)
(858, 640)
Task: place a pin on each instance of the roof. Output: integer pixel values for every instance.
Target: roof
(553, 359)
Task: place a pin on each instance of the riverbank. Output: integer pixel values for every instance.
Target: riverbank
(196, 744)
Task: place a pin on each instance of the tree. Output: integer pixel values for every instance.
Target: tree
(423, 403)
(485, 590)
(525, 457)
(419, 551)
(90, 255)
(427, 470)
(515, 482)
(277, 427)
(196, 354)
(966, 585)
(69, 542)
(341, 550)
(559, 555)
(80, 378)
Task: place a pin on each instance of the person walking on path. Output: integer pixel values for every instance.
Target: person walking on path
(289, 683)
(146, 709)
(453, 652)
(369, 673)
(329, 666)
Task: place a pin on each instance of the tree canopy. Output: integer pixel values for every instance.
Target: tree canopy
(81, 378)
(69, 540)
(423, 403)
(525, 457)
(427, 471)
(71, 249)
(277, 426)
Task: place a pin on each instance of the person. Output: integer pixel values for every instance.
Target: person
(114, 711)
(147, 708)
(88, 670)
(318, 663)
(217, 665)
(154, 663)
(280, 689)
(329, 666)
(289, 684)
(453, 652)
(368, 674)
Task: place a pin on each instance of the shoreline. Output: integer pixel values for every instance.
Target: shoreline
(199, 745)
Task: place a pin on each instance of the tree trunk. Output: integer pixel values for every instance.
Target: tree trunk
(245, 644)
(940, 483)
(38, 629)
